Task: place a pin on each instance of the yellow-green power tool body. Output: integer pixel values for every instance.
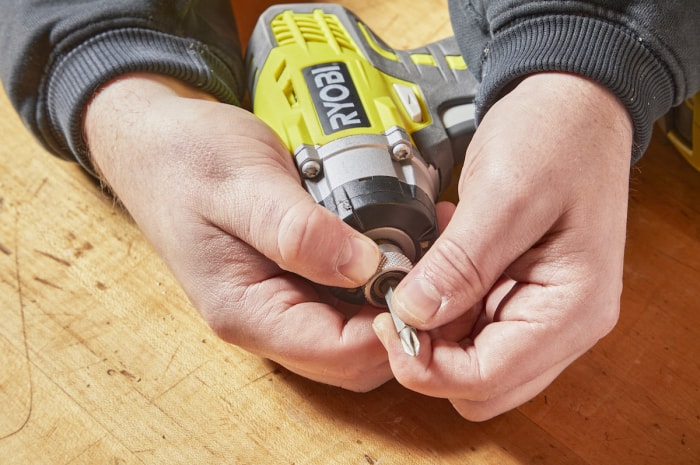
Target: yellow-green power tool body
(375, 132)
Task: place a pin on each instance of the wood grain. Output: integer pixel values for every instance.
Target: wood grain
(103, 359)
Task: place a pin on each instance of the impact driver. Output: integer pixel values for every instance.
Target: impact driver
(375, 132)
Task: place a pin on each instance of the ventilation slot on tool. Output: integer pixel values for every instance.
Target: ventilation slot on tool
(291, 28)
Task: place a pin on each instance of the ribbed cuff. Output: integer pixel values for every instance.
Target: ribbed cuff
(74, 79)
(597, 49)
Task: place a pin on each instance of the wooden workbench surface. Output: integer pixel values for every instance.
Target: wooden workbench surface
(104, 361)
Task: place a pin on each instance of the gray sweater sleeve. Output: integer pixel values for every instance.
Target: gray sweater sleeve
(55, 54)
(645, 51)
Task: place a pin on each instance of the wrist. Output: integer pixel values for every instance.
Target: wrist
(575, 44)
(571, 93)
(121, 103)
(560, 131)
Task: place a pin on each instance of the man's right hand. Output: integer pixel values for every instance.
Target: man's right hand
(217, 194)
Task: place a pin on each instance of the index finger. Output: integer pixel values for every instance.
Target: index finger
(282, 319)
(527, 342)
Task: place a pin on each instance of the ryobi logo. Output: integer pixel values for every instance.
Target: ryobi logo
(335, 97)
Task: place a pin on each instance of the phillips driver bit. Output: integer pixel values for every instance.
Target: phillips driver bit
(407, 334)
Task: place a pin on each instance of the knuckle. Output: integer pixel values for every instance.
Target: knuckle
(362, 386)
(459, 373)
(354, 373)
(611, 310)
(607, 319)
(473, 411)
(452, 269)
(231, 313)
(298, 232)
(479, 383)
(419, 381)
(484, 388)
(477, 390)
(351, 374)
(602, 310)
(357, 380)
(217, 310)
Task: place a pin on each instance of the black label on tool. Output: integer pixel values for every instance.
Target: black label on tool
(335, 97)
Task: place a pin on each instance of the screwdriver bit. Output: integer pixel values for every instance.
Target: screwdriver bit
(407, 334)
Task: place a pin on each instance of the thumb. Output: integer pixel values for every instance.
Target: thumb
(486, 233)
(264, 204)
(279, 219)
(307, 239)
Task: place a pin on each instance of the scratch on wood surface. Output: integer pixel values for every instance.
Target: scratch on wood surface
(48, 283)
(130, 376)
(176, 383)
(372, 461)
(675, 259)
(4, 249)
(87, 246)
(172, 357)
(259, 378)
(84, 451)
(41, 186)
(53, 257)
(23, 325)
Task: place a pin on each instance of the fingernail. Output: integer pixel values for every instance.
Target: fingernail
(380, 331)
(377, 328)
(419, 299)
(359, 259)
